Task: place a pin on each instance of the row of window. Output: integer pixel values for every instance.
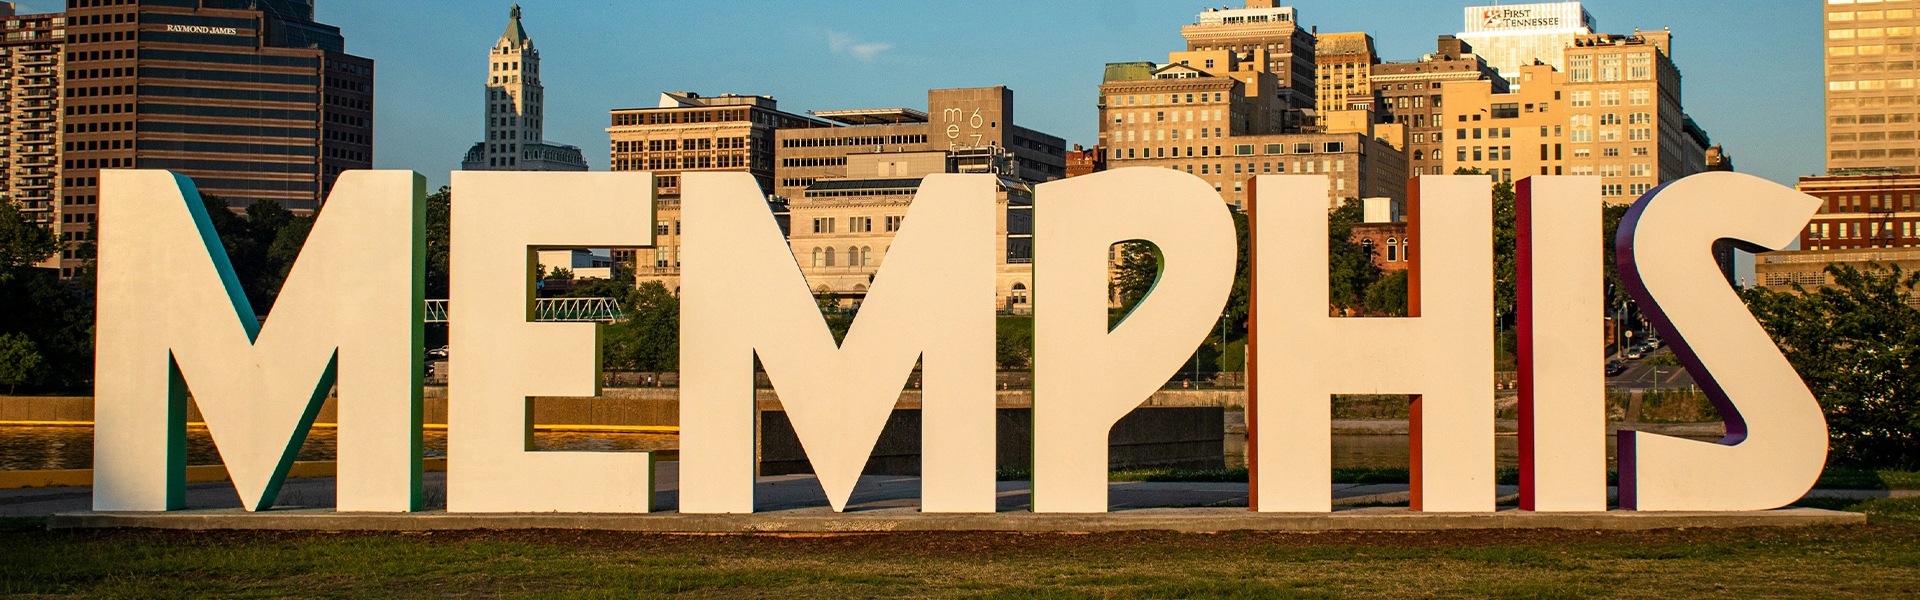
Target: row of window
(671, 162)
(1868, 50)
(876, 140)
(1873, 230)
(856, 224)
(1871, 136)
(1870, 32)
(1843, 203)
(825, 161)
(856, 257)
(1241, 150)
(1870, 67)
(1870, 85)
(1162, 135)
(1872, 153)
(1876, 119)
(1156, 99)
(1127, 117)
(1583, 99)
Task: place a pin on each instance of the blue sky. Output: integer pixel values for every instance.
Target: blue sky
(1752, 69)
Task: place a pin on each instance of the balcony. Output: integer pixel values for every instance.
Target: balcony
(38, 150)
(37, 117)
(36, 184)
(38, 82)
(36, 61)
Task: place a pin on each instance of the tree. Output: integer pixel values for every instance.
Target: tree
(439, 241)
(1134, 276)
(41, 315)
(1350, 266)
(20, 361)
(1856, 343)
(22, 243)
(560, 274)
(1388, 296)
(649, 340)
(1013, 342)
(261, 244)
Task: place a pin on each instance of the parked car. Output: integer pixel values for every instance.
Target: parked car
(1636, 353)
(1616, 367)
(437, 353)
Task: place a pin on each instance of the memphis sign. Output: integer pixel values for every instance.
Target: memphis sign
(172, 315)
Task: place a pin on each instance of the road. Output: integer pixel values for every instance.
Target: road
(1640, 375)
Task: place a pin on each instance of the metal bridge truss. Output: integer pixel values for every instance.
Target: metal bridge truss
(596, 310)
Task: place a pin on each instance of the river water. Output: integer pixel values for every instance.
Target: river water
(71, 447)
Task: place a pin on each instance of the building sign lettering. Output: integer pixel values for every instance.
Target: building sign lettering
(202, 29)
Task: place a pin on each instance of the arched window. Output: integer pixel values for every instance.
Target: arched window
(818, 260)
(866, 256)
(1419, 155)
(1393, 250)
(1019, 295)
(853, 256)
(829, 252)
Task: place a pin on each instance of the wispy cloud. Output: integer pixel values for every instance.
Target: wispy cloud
(841, 43)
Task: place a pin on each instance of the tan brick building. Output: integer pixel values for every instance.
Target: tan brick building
(1269, 36)
(1409, 95)
(1870, 95)
(843, 227)
(1615, 114)
(690, 132)
(1344, 63)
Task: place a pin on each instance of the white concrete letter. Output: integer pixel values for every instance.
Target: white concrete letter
(744, 296)
(499, 219)
(1300, 356)
(1776, 442)
(1086, 377)
(1563, 404)
(171, 313)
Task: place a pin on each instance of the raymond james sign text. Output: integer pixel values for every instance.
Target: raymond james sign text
(171, 315)
(203, 29)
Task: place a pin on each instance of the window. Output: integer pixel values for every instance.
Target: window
(818, 260)
(1506, 111)
(1582, 99)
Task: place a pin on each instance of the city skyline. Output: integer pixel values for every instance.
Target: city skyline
(817, 56)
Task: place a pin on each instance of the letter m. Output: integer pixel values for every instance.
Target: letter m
(743, 297)
(173, 317)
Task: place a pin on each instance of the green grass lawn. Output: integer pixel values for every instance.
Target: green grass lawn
(1881, 559)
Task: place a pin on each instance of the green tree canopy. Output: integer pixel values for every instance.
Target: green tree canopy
(1856, 343)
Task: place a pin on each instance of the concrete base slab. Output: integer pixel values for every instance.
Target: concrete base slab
(821, 520)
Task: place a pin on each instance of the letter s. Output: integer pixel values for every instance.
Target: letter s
(1776, 442)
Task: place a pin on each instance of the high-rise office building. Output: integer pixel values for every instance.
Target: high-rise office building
(1516, 35)
(30, 53)
(516, 111)
(1870, 87)
(251, 98)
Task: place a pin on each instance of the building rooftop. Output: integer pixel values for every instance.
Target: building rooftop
(872, 116)
(1242, 16)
